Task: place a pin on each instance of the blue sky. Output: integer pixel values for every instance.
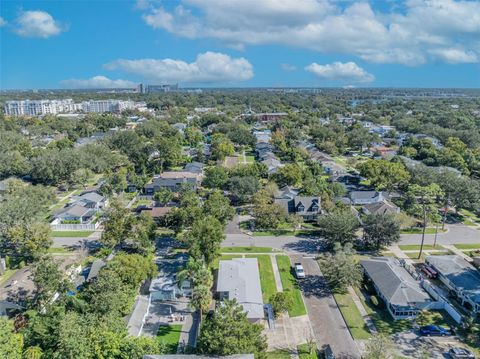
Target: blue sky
(241, 43)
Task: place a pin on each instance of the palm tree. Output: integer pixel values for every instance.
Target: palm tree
(33, 352)
(201, 298)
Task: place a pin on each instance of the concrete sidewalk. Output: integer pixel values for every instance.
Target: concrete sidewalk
(366, 318)
(276, 273)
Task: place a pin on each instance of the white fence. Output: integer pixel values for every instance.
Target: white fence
(74, 227)
(441, 301)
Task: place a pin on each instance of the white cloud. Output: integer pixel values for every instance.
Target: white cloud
(288, 67)
(413, 33)
(37, 24)
(208, 67)
(455, 56)
(98, 82)
(3, 22)
(338, 71)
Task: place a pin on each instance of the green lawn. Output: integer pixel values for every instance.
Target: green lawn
(267, 279)
(7, 275)
(59, 250)
(246, 250)
(412, 247)
(304, 352)
(467, 246)
(250, 159)
(290, 284)
(382, 319)
(473, 217)
(71, 233)
(279, 354)
(352, 316)
(429, 230)
(169, 335)
(414, 255)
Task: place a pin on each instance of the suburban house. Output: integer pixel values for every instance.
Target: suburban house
(271, 116)
(90, 200)
(173, 181)
(239, 279)
(75, 214)
(165, 286)
(402, 294)
(460, 277)
(366, 197)
(384, 207)
(194, 167)
(307, 207)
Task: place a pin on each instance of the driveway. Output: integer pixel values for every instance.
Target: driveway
(327, 321)
(457, 233)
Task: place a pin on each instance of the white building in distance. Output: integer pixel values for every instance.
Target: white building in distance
(53, 107)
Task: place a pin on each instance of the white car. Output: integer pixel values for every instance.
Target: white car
(299, 272)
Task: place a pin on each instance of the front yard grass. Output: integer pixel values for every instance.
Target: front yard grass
(246, 250)
(290, 285)
(413, 247)
(352, 316)
(304, 352)
(59, 250)
(429, 230)
(7, 275)
(267, 279)
(382, 318)
(71, 233)
(279, 354)
(467, 246)
(169, 335)
(414, 255)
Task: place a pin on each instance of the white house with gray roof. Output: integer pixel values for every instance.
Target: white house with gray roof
(366, 197)
(239, 279)
(403, 295)
(460, 277)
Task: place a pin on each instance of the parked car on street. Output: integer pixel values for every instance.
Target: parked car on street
(328, 352)
(461, 353)
(435, 330)
(299, 272)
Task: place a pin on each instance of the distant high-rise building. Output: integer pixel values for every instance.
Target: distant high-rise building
(160, 88)
(52, 107)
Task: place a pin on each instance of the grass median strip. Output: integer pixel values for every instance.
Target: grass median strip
(267, 279)
(289, 283)
(246, 250)
(352, 316)
(71, 233)
(416, 247)
(468, 246)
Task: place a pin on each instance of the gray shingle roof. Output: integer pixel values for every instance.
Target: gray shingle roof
(75, 210)
(384, 207)
(92, 196)
(394, 282)
(241, 279)
(459, 272)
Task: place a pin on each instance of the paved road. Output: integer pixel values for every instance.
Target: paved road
(77, 242)
(327, 321)
(286, 243)
(457, 233)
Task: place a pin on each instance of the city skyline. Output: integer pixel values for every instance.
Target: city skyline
(50, 44)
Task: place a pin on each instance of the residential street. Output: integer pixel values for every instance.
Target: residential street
(327, 321)
(457, 233)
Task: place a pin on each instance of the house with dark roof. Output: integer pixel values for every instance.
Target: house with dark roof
(239, 279)
(308, 207)
(460, 277)
(382, 208)
(173, 181)
(403, 295)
